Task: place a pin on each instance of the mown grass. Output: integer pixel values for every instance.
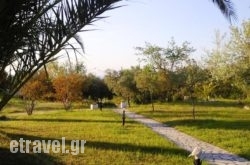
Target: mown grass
(107, 141)
(222, 123)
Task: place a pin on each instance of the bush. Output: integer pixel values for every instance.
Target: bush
(228, 91)
(109, 105)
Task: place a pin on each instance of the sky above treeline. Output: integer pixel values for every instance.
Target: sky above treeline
(111, 45)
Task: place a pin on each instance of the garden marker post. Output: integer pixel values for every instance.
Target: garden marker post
(123, 117)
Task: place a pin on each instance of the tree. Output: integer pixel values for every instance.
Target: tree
(177, 55)
(166, 60)
(127, 85)
(227, 63)
(44, 89)
(30, 93)
(122, 83)
(239, 48)
(111, 78)
(205, 89)
(33, 32)
(163, 84)
(38, 87)
(220, 61)
(195, 76)
(146, 81)
(95, 88)
(68, 88)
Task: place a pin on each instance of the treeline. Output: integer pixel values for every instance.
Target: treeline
(168, 73)
(66, 83)
(164, 74)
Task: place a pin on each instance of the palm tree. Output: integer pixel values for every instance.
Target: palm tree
(33, 32)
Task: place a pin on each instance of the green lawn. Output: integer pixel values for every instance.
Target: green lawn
(222, 123)
(107, 141)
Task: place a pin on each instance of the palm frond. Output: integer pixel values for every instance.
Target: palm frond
(227, 9)
(33, 32)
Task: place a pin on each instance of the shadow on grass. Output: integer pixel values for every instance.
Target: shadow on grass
(135, 148)
(184, 114)
(188, 104)
(3, 128)
(49, 108)
(69, 120)
(212, 124)
(8, 158)
(101, 145)
(217, 103)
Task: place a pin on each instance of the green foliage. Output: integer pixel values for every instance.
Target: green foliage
(166, 63)
(170, 58)
(122, 83)
(127, 84)
(227, 90)
(170, 74)
(109, 105)
(220, 60)
(95, 88)
(146, 80)
(205, 90)
(228, 63)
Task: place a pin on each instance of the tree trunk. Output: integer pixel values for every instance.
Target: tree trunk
(152, 102)
(193, 104)
(128, 102)
(30, 106)
(153, 107)
(67, 104)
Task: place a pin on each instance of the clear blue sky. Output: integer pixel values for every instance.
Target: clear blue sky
(155, 21)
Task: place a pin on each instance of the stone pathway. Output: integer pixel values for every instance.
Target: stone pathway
(212, 154)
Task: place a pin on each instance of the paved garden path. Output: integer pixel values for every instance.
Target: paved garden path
(212, 154)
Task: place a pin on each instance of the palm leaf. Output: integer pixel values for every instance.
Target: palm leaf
(227, 9)
(32, 32)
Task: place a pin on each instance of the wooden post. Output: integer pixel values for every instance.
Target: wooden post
(123, 117)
